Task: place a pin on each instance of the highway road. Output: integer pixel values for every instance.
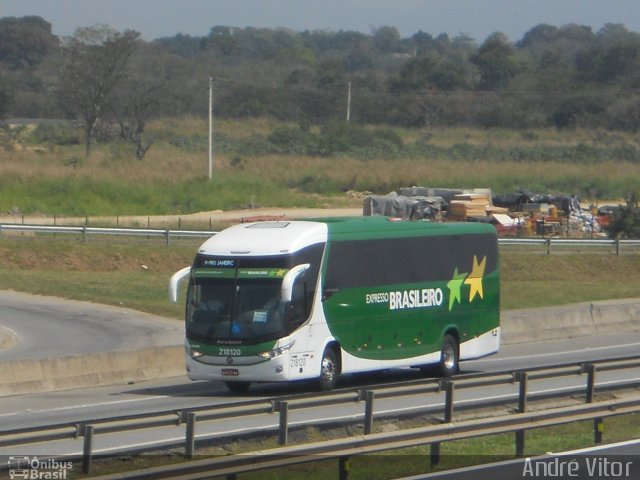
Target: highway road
(103, 328)
(37, 327)
(179, 393)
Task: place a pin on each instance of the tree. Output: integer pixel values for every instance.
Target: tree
(624, 114)
(25, 42)
(495, 60)
(93, 62)
(6, 97)
(386, 39)
(572, 112)
(539, 36)
(608, 64)
(142, 92)
(414, 75)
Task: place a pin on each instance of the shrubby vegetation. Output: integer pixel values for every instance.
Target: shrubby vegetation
(564, 77)
(625, 222)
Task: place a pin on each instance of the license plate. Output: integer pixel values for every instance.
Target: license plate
(230, 372)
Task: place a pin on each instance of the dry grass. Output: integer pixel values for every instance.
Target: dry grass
(32, 175)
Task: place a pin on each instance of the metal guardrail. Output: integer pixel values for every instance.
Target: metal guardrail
(548, 242)
(87, 428)
(85, 231)
(344, 448)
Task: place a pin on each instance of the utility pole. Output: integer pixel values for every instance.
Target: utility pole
(210, 127)
(349, 102)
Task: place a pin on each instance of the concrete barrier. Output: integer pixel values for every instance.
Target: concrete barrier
(518, 326)
(62, 373)
(568, 321)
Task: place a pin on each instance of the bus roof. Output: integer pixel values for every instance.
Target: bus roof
(283, 237)
(265, 238)
(362, 228)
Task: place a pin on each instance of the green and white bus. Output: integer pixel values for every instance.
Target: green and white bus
(291, 300)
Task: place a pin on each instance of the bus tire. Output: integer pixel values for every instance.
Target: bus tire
(449, 363)
(328, 370)
(238, 387)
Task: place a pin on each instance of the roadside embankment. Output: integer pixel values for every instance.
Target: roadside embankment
(518, 326)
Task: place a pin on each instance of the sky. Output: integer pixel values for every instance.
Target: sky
(475, 18)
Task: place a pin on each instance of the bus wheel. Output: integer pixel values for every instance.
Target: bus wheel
(238, 387)
(328, 370)
(449, 357)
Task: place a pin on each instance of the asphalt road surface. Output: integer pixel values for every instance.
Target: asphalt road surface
(36, 327)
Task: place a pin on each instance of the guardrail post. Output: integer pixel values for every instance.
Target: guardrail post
(87, 449)
(523, 378)
(617, 246)
(84, 233)
(284, 419)
(520, 443)
(548, 241)
(591, 382)
(167, 234)
(598, 429)
(435, 455)
(368, 412)
(190, 436)
(598, 423)
(448, 402)
(449, 389)
(343, 466)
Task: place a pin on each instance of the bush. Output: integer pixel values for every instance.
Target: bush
(295, 140)
(56, 133)
(625, 222)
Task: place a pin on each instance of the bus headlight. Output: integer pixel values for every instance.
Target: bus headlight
(193, 353)
(275, 352)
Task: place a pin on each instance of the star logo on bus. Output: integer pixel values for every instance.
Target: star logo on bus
(454, 287)
(474, 280)
(281, 272)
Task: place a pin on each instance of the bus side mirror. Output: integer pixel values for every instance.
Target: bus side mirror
(286, 292)
(174, 283)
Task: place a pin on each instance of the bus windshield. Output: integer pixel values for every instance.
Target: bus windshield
(248, 310)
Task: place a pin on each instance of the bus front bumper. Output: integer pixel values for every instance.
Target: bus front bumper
(236, 369)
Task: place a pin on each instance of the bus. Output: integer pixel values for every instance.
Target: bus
(294, 300)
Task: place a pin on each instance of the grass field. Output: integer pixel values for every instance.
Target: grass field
(172, 178)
